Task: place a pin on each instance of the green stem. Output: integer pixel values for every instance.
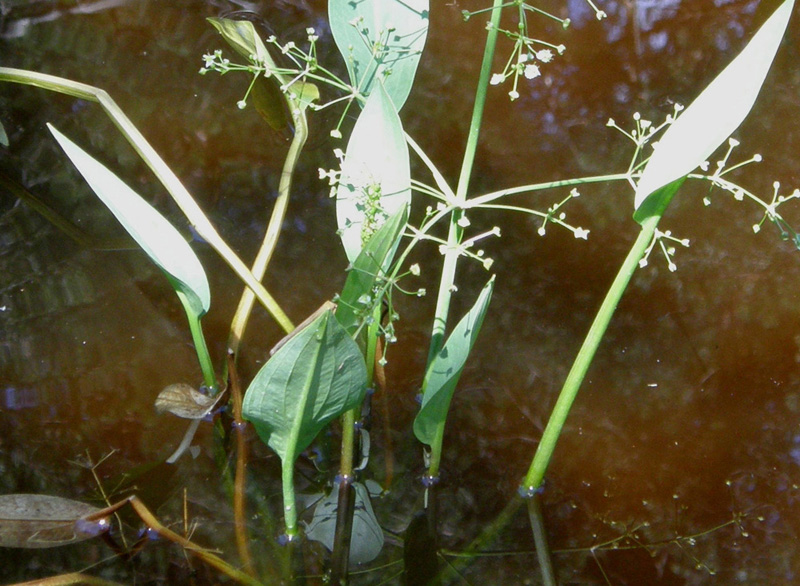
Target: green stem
(264, 255)
(200, 347)
(289, 505)
(446, 282)
(533, 480)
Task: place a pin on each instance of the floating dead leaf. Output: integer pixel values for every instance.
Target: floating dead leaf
(37, 521)
(184, 401)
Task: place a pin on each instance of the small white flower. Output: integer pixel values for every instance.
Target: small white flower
(513, 94)
(497, 79)
(463, 221)
(541, 231)
(733, 142)
(756, 228)
(532, 71)
(414, 270)
(643, 263)
(757, 158)
(336, 133)
(544, 55)
(582, 233)
(241, 104)
(672, 267)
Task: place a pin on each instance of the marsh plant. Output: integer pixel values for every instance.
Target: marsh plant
(326, 369)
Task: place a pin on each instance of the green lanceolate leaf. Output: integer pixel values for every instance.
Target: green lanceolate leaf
(381, 39)
(358, 294)
(376, 177)
(157, 237)
(716, 112)
(3, 136)
(313, 378)
(445, 369)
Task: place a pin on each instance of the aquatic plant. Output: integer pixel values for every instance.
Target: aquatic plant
(324, 368)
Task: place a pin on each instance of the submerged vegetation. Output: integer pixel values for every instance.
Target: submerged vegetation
(391, 199)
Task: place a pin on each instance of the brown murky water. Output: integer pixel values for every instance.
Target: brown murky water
(685, 436)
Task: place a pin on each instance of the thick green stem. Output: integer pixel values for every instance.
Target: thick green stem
(289, 505)
(533, 480)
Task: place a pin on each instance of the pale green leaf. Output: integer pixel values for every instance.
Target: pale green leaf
(376, 178)
(154, 234)
(381, 39)
(314, 377)
(716, 112)
(445, 369)
(3, 136)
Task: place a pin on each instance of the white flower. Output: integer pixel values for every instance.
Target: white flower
(544, 55)
(532, 71)
(414, 270)
(513, 94)
(497, 79)
(336, 133)
(582, 233)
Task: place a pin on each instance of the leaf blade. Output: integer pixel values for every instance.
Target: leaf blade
(313, 378)
(446, 368)
(152, 232)
(716, 113)
(376, 176)
(400, 28)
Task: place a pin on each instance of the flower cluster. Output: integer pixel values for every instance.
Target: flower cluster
(528, 53)
(663, 239)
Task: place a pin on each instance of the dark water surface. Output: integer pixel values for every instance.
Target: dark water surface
(685, 435)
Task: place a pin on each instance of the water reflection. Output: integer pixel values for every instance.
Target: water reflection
(686, 427)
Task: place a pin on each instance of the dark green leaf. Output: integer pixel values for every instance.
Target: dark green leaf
(358, 295)
(313, 378)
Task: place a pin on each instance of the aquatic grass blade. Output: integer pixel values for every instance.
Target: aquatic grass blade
(376, 178)
(313, 378)
(715, 114)
(445, 370)
(381, 39)
(154, 234)
(373, 260)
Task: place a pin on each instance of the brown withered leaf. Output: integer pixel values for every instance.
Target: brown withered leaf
(184, 401)
(38, 521)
